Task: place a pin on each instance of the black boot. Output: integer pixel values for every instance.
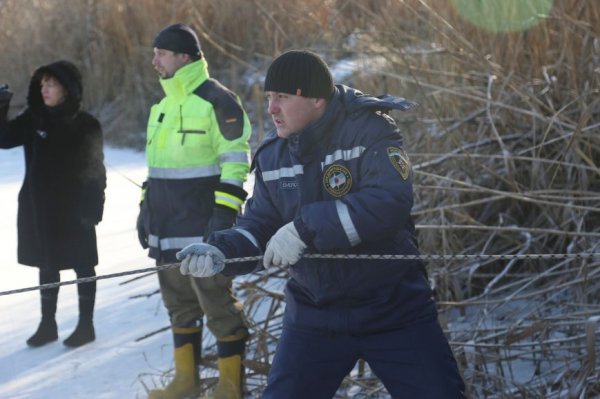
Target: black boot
(84, 332)
(47, 330)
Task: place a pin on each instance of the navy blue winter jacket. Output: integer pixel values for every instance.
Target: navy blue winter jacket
(345, 182)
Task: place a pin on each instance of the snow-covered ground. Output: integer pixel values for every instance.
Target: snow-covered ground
(115, 365)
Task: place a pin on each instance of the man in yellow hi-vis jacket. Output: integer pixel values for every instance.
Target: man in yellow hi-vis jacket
(197, 153)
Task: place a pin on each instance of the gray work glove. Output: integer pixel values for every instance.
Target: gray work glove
(201, 260)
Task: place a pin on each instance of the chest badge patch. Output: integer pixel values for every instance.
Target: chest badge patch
(399, 161)
(337, 180)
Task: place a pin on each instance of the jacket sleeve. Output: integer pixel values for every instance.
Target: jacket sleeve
(231, 144)
(93, 173)
(377, 209)
(15, 132)
(253, 230)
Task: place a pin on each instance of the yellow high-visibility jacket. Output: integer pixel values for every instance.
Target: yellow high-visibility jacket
(197, 154)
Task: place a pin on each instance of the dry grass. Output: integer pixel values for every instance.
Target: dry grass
(505, 147)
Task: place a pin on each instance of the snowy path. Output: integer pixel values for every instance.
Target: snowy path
(113, 366)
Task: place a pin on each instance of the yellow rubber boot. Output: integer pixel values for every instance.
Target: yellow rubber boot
(230, 378)
(185, 383)
(231, 368)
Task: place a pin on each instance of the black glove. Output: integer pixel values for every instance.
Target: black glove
(141, 229)
(221, 219)
(5, 96)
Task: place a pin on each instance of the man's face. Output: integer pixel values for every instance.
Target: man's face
(291, 113)
(166, 62)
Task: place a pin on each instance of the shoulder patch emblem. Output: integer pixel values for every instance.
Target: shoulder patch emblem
(399, 161)
(337, 180)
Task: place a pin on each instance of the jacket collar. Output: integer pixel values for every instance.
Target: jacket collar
(186, 79)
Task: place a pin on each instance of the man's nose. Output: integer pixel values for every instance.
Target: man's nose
(272, 108)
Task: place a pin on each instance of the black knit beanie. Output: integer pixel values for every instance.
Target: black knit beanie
(178, 38)
(301, 73)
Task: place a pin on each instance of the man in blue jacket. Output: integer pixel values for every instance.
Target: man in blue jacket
(333, 178)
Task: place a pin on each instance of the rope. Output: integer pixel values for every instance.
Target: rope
(117, 171)
(422, 257)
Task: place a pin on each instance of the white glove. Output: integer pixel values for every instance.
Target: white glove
(284, 248)
(201, 260)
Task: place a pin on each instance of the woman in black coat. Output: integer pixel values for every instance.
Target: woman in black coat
(62, 197)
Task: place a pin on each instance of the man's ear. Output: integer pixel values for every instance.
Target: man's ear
(186, 58)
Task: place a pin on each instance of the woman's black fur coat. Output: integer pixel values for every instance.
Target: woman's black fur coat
(62, 197)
